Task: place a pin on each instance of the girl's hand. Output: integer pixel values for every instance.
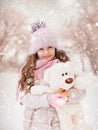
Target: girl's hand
(57, 100)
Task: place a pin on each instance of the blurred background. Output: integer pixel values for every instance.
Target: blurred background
(75, 23)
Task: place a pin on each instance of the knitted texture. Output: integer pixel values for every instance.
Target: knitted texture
(41, 37)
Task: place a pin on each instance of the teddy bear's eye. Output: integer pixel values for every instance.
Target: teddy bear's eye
(66, 73)
(62, 74)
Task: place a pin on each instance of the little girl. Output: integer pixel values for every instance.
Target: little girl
(40, 114)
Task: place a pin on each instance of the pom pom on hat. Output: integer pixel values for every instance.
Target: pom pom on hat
(38, 25)
(41, 36)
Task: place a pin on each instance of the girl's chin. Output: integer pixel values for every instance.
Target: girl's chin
(48, 58)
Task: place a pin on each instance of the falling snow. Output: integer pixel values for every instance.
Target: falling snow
(75, 23)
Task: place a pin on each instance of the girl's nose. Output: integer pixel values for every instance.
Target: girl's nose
(46, 51)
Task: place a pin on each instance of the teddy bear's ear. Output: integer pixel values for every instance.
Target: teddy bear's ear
(47, 74)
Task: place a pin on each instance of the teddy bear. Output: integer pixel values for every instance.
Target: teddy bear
(61, 78)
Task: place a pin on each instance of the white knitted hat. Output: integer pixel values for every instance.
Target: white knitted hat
(41, 36)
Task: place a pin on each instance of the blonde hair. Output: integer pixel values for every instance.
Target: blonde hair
(27, 73)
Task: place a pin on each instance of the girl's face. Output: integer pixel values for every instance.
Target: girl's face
(46, 53)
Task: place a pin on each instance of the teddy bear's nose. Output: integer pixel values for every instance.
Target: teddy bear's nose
(69, 80)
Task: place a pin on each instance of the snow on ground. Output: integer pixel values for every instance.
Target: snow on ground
(11, 113)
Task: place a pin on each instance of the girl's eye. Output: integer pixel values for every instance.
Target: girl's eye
(41, 49)
(66, 73)
(62, 74)
(50, 47)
